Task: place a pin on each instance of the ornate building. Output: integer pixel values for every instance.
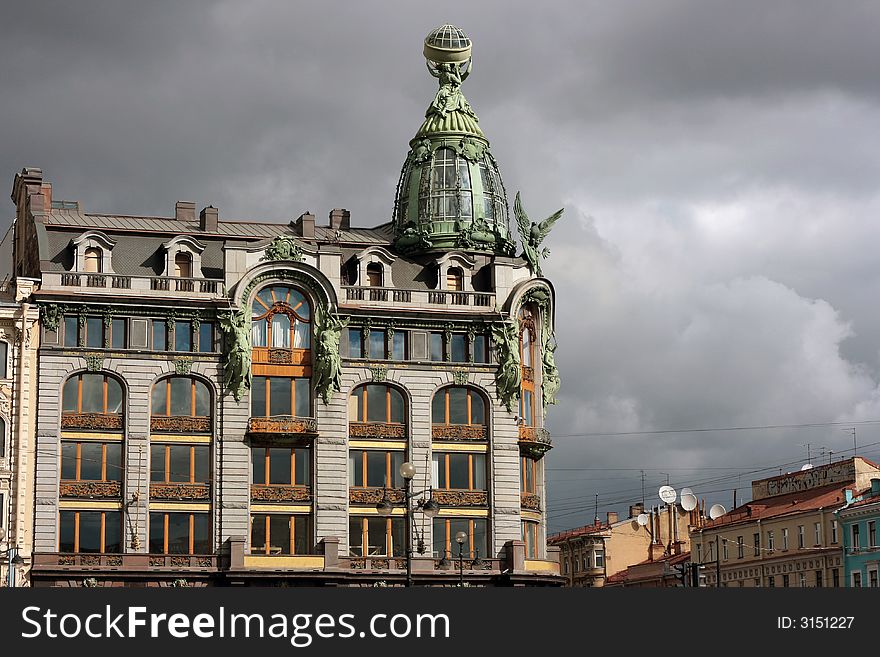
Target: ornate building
(243, 402)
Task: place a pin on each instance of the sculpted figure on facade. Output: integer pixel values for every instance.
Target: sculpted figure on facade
(508, 378)
(328, 363)
(236, 327)
(532, 234)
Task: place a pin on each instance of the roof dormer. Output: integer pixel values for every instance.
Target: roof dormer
(183, 257)
(92, 253)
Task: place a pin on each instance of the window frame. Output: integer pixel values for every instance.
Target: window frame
(471, 465)
(390, 547)
(363, 410)
(191, 531)
(103, 530)
(78, 460)
(393, 478)
(295, 452)
(293, 395)
(471, 392)
(105, 395)
(193, 395)
(292, 533)
(166, 460)
(469, 552)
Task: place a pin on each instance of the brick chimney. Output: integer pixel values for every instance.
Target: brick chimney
(340, 219)
(208, 219)
(635, 510)
(305, 225)
(185, 211)
(611, 517)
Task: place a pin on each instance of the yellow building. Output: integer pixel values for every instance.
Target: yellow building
(787, 536)
(590, 554)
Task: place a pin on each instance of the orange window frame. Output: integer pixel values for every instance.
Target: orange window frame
(267, 468)
(167, 382)
(469, 396)
(76, 531)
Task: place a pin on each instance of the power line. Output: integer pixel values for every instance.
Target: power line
(807, 425)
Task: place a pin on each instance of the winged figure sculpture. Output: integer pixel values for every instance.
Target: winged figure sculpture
(532, 234)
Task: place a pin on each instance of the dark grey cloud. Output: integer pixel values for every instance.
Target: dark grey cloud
(718, 163)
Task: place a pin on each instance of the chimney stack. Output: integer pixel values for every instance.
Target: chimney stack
(340, 219)
(185, 211)
(209, 217)
(305, 225)
(611, 517)
(635, 510)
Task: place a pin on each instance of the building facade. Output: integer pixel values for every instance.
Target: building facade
(19, 339)
(859, 519)
(788, 535)
(249, 403)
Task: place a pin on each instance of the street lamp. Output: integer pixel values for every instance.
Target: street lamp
(460, 538)
(427, 506)
(15, 559)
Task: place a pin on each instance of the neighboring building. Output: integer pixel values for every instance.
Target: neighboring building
(231, 402)
(19, 341)
(788, 535)
(590, 555)
(859, 521)
(666, 571)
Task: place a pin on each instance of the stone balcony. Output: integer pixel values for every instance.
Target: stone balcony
(357, 295)
(534, 441)
(115, 284)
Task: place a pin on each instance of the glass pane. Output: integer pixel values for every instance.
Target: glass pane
(458, 471)
(464, 175)
(114, 462)
(355, 537)
(279, 465)
(267, 298)
(438, 408)
(355, 403)
(299, 304)
(399, 346)
(279, 396)
(89, 531)
(114, 396)
(92, 393)
(396, 406)
(526, 349)
(94, 332)
(178, 533)
(398, 537)
(113, 532)
(478, 408)
(527, 407)
(203, 400)
(202, 534)
(179, 463)
(279, 534)
(258, 397)
(258, 534)
(67, 532)
(377, 344)
(181, 396)
(480, 534)
(71, 331)
(396, 462)
(301, 335)
(203, 463)
(157, 463)
(458, 412)
(438, 470)
(302, 535)
(303, 398)
(440, 549)
(68, 460)
(303, 467)
(183, 336)
(377, 410)
(259, 332)
(258, 465)
(479, 471)
(459, 347)
(355, 468)
(157, 533)
(117, 333)
(158, 335)
(480, 349)
(159, 406)
(281, 331)
(354, 343)
(69, 396)
(459, 525)
(376, 469)
(206, 337)
(437, 346)
(376, 537)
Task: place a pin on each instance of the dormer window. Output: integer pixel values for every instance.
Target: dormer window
(92, 260)
(454, 279)
(183, 265)
(374, 274)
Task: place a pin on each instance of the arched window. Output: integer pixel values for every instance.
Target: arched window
(454, 279)
(92, 257)
(281, 319)
(4, 354)
(180, 404)
(375, 402)
(91, 401)
(459, 405)
(374, 274)
(449, 188)
(183, 267)
(527, 338)
(2, 439)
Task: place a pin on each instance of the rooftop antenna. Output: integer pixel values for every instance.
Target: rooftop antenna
(807, 445)
(852, 430)
(596, 517)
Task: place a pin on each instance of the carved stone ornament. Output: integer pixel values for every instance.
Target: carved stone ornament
(183, 365)
(274, 493)
(375, 495)
(505, 335)
(412, 239)
(50, 315)
(180, 424)
(380, 372)
(236, 328)
(471, 149)
(460, 377)
(421, 151)
(458, 432)
(376, 430)
(90, 489)
(279, 356)
(283, 247)
(460, 497)
(530, 501)
(283, 425)
(94, 362)
(93, 421)
(327, 372)
(179, 491)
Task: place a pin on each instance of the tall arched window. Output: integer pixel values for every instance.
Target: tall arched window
(92, 401)
(527, 338)
(2, 437)
(281, 338)
(180, 466)
(458, 411)
(374, 274)
(183, 265)
(454, 279)
(92, 257)
(4, 354)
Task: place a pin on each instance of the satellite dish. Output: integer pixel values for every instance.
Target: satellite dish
(716, 511)
(667, 494)
(688, 501)
(806, 466)
(686, 491)
(642, 519)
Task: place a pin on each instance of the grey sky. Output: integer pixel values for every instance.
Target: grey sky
(718, 163)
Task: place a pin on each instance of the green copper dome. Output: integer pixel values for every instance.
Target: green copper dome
(450, 194)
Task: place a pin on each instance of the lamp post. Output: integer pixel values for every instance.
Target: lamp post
(460, 538)
(427, 506)
(15, 560)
